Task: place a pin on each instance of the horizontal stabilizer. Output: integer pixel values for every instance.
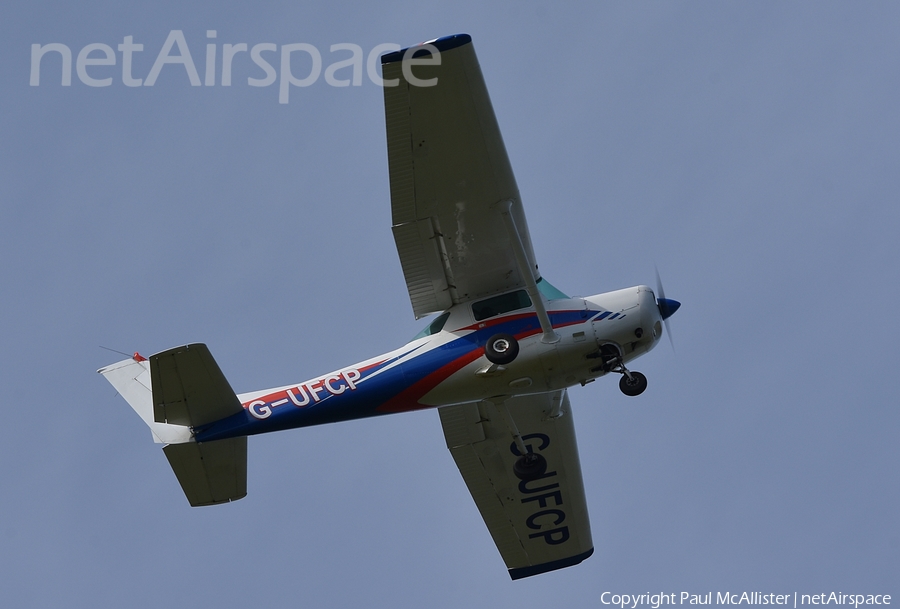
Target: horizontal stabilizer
(210, 472)
(189, 388)
(173, 391)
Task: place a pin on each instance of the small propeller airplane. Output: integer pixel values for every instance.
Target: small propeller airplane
(496, 362)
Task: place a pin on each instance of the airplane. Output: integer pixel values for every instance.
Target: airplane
(496, 362)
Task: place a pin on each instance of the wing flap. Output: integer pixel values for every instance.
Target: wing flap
(421, 261)
(539, 525)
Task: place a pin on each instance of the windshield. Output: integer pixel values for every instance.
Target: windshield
(549, 292)
(434, 327)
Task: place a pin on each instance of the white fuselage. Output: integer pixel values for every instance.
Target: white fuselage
(449, 366)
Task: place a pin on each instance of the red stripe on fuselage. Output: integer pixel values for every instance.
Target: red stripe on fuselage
(408, 399)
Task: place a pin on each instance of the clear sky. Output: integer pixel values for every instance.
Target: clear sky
(749, 150)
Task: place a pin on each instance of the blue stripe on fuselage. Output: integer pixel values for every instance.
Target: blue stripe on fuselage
(381, 383)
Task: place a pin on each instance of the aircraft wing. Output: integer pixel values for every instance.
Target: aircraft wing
(449, 175)
(539, 525)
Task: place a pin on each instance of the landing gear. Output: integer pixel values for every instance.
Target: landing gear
(501, 349)
(530, 466)
(632, 383)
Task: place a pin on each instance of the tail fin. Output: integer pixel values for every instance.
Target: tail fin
(173, 391)
(131, 378)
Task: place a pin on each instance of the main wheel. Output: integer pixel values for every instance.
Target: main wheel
(501, 349)
(634, 385)
(530, 466)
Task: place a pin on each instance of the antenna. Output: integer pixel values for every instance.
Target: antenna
(115, 351)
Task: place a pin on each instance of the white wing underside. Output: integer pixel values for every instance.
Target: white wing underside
(451, 181)
(449, 174)
(539, 525)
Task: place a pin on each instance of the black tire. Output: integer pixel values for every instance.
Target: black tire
(501, 349)
(634, 385)
(530, 466)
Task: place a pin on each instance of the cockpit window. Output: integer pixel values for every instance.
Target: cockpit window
(498, 305)
(549, 292)
(434, 327)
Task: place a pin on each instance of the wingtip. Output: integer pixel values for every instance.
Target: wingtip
(521, 572)
(442, 44)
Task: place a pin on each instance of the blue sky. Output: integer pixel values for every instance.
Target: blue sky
(749, 150)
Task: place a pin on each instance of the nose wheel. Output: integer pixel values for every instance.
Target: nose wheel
(632, 383)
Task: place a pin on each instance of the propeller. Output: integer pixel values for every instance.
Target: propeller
(667, 307)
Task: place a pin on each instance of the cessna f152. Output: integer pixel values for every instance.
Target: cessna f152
(496, 362)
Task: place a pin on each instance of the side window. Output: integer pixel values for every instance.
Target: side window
(497, 305)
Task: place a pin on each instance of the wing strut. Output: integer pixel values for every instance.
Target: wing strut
(529, 465)
(500, 405)
(549, 336)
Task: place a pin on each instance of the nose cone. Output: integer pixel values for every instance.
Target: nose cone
(667, 307)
